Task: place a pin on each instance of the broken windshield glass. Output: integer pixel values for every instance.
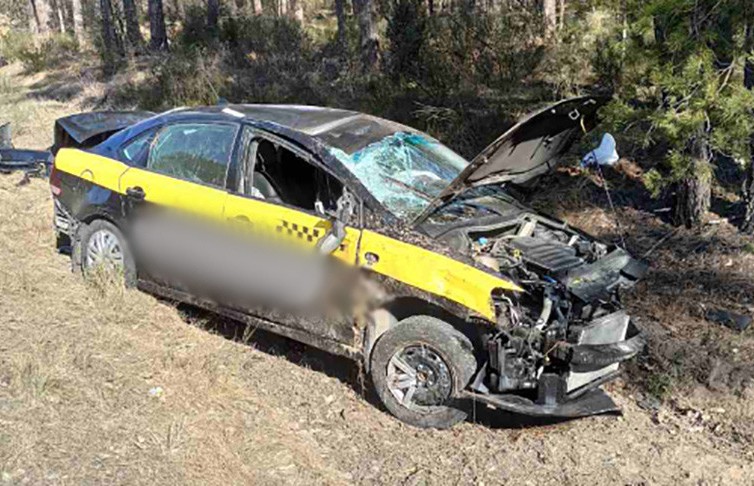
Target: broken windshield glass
(404, 171)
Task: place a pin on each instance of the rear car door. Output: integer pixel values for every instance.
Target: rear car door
(175, 189)
(183, 166)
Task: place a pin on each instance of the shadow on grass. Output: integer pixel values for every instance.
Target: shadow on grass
(346, 371)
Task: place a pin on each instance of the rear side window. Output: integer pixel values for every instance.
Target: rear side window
(135, 151)
(194, 152)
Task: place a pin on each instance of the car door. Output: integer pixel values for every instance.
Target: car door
(184, 167)
(285, 220)
(174, 189)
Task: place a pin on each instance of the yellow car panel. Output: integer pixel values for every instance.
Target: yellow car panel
(160, 189)
(432, 272)
(166, 191)
(411, 264)
(289, 224)
(100, 170)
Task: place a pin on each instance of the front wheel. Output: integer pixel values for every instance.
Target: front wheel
(418, 367)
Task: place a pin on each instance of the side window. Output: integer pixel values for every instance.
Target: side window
(194, 152)
(136, 150)
(277, 174)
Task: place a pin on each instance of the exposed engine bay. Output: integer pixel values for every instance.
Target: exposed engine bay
(568, 333)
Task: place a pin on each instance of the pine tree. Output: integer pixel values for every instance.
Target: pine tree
(681, 88)
(368, 37)
(158, 33)
(133, 32)
(111, 45)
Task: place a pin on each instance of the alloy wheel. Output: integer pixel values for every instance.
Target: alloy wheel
(418, 377)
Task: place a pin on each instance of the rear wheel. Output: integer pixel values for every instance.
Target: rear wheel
(100, 244)
(418, 367)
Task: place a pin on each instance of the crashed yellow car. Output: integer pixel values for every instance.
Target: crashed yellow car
(464, 294)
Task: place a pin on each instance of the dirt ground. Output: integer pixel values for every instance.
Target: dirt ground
(104, 385)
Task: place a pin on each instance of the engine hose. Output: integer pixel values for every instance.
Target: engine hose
(545, 315)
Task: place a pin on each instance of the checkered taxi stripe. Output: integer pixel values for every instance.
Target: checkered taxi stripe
(301, 232)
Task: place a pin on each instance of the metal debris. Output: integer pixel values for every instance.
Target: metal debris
(737, 322)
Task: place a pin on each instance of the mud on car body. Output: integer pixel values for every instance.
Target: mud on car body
(472, 295)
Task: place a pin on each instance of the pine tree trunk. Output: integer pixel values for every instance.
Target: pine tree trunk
(694, 192)
(257, 7)
(133, 31)
(213, 14)
(368, 38)
(78, 21)
(297, 9)
(40, 14)
(748, 224)
(109, 40)
(31, 15)
(158, 33)
(43, 9)
(57, 6)
(340, 14)
(550, 15)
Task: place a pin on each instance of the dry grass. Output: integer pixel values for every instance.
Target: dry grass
(78, 361)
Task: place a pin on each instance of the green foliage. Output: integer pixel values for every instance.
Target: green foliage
(680, 87)
(194, 31)
(13, 43)
(660, 385)
(49, 53)
(406, 34)
(13, 13)
(262, 35)
(470, 50)
(188, 77)
(654, 182)
(581, 49)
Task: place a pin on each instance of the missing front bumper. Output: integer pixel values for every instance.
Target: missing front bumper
(593, 359)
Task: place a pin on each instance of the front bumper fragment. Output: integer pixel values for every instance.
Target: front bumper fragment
(592, 402)
(592, 357)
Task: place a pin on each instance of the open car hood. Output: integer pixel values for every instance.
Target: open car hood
(528, 149)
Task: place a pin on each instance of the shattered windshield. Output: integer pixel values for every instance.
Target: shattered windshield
(404, 171)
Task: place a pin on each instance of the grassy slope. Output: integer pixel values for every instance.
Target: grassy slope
(77, 362)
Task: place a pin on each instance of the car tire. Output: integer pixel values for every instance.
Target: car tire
(82, 247)
(439, 353)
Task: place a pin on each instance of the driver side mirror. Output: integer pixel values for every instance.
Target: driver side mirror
(339, 219)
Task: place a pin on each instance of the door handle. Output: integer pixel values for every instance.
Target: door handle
(136, 193)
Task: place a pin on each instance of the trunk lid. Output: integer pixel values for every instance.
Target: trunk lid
(88, 129)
